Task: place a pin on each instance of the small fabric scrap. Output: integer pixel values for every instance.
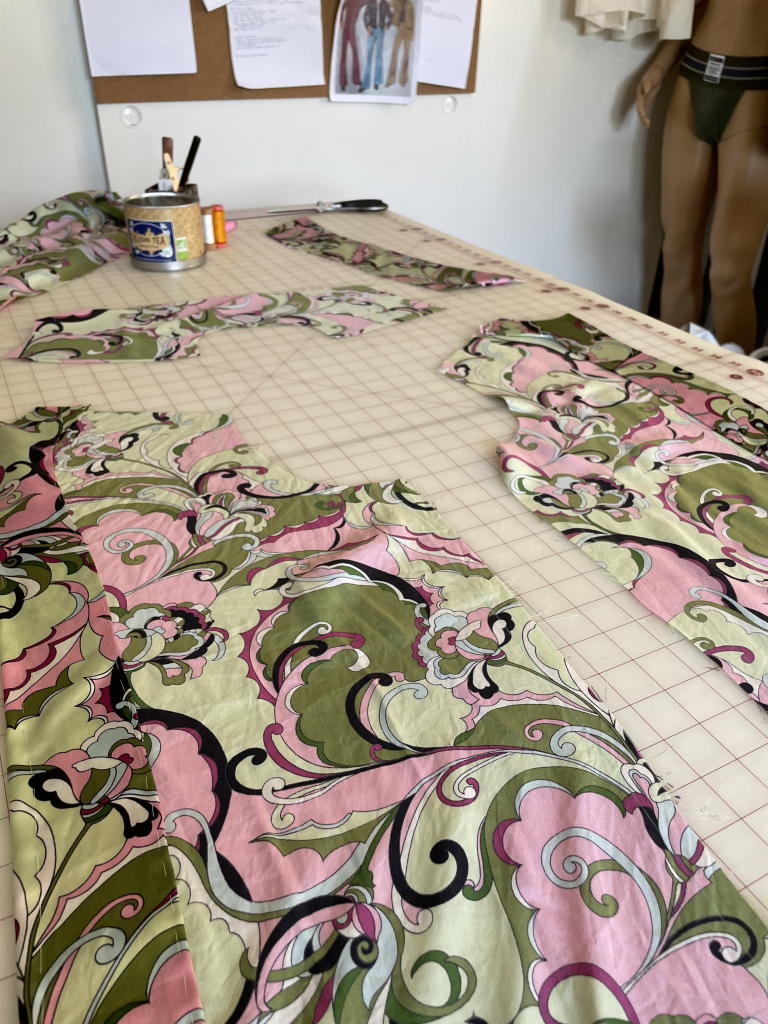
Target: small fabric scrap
(59, 241)
(659, 475)
(309, 237)
(161, 332)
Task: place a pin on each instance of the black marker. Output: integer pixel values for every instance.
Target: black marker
(189, 162)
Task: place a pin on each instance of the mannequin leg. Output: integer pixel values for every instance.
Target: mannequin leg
(741, 214)
(687, 189)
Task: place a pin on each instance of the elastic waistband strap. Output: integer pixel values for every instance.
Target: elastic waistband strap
(721, 70)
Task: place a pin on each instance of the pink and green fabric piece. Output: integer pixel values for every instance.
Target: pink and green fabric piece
(172, 331)
(307, 236)
(659, 475)
(59, 241)
(284, 752)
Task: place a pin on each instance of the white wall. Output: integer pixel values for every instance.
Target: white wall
(49, 141)
(540, 164)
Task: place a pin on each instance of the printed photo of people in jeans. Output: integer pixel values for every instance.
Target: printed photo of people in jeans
(374, 51)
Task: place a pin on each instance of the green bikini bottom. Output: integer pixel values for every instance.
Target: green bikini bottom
(717, 84)
(712, 109)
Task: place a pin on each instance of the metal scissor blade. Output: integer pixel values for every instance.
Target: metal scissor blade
(270, 211)
(348, 206)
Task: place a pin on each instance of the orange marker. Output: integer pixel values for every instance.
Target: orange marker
(219, 226)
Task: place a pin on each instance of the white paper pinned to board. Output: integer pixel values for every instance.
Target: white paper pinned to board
(276, 44)
(139, 37)
(213, 5)
(447, 35)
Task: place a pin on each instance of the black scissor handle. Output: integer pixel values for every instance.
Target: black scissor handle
(361, 206)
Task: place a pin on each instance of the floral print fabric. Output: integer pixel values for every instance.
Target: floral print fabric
(100, 935)
(168, 331)
(309, 237)
(59, 241)
(386, 798)
(656, 473)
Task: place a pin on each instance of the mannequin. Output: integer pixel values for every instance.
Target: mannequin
(714, 160)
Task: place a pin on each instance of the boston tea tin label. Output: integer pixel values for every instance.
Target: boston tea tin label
(153, 240)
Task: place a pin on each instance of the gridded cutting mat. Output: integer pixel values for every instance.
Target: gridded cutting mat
(374, 408)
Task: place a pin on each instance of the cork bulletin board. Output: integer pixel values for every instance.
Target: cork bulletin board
(215, 79)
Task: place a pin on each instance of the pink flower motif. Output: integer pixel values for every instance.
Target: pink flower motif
(179, 639)
(165, 626)
(61, 228)
(446, 641)
(110, 771)
(456, 648)
(133, 754)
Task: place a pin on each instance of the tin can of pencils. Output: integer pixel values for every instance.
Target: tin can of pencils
(166, 230)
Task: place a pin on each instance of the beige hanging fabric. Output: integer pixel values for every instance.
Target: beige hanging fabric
(624, 19)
